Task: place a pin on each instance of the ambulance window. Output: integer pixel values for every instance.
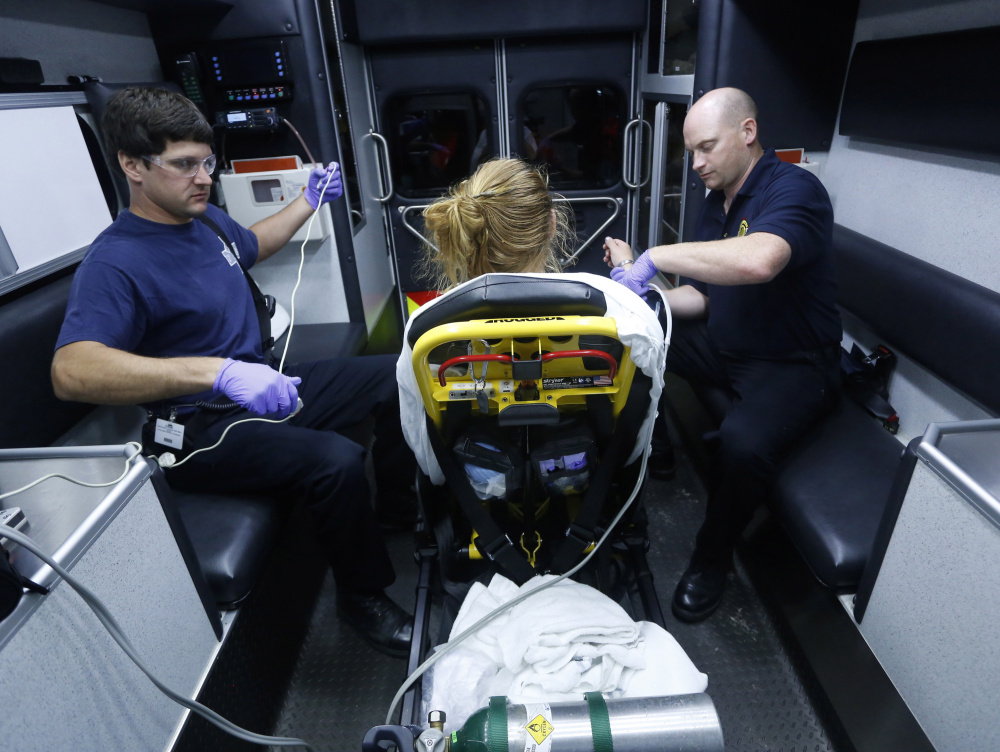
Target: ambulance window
(436, 140)
(680, 37)
(576, 131)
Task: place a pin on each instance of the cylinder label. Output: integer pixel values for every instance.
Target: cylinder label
(539, 727)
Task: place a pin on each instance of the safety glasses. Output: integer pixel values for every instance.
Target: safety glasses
(184, 167)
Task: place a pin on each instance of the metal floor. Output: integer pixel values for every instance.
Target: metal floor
(342, 687)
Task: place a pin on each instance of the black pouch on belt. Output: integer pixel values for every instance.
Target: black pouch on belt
(491, 463)
(12, 585)
(564, 457)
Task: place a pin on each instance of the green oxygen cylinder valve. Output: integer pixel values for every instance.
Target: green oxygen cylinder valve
(433, 739)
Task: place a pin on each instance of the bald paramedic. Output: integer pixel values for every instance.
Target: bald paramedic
(162, 314)
(755, 315)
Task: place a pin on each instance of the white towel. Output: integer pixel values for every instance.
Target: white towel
(566, 641)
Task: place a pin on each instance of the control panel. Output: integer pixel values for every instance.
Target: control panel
(190, 78)
(249, 70)
(264, 118)
(258, 94)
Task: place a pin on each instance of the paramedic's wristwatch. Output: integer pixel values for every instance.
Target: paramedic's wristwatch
(622, 263)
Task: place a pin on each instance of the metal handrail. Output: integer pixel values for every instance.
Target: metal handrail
(380, 139)
(404, 211)
(642, 183)
(614, 202)
(626, 157)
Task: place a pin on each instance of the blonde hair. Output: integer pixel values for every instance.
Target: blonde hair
(502, 219)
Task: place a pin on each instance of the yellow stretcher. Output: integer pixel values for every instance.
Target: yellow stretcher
(522, 370)
(525, 382)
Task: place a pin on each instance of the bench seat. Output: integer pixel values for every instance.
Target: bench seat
(231, 536)
(832, 490)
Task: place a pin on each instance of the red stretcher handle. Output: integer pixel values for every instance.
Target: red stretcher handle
(485, 357)
(501, 358)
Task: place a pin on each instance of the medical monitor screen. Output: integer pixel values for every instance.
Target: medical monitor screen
(249, 64)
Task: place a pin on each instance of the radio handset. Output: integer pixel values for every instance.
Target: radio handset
(189, 73)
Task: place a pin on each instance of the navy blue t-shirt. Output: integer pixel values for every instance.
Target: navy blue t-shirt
(164, 291)
(797, 309)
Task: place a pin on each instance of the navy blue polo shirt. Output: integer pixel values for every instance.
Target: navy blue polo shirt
(165, 291)
(797, 309)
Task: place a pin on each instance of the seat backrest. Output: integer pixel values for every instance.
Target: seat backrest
(944, 322)
(510, 295)
(30, 320)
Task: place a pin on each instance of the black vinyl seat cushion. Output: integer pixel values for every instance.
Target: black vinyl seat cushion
(832, 490)
(232, 537)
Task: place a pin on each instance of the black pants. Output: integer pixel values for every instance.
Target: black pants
(306, 458)
(774, 403)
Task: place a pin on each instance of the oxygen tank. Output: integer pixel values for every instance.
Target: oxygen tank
(681, 723)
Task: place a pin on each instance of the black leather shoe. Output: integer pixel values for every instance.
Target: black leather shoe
(662, 465)
(386, 626)
(698, 593)
(397, 515)
(395, 521)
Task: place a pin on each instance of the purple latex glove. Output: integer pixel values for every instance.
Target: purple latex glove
(258, 388)
(636, 276)
(317, 181)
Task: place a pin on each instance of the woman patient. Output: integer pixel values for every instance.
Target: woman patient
(502, 219)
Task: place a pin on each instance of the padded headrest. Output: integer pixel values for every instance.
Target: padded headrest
(29, 326)
(944, 322)
(99, 93)
(508, 295)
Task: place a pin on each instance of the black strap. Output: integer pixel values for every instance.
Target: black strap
(12, 585)
(260, 301)
(493, 542)
(866, 380)
(580, 532)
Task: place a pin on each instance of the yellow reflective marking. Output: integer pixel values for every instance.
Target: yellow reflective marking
(539, 728)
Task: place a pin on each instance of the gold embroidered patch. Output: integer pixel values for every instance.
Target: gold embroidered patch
(743, 228)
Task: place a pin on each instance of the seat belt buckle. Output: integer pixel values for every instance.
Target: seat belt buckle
(580, 534)
(492, 549)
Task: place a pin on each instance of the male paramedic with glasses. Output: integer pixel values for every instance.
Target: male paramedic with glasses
(161, 315)
(755, 315)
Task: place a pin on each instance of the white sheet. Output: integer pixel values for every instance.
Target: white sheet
(569, 640)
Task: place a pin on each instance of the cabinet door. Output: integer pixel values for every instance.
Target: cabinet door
(437, 109)
(568, 104)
